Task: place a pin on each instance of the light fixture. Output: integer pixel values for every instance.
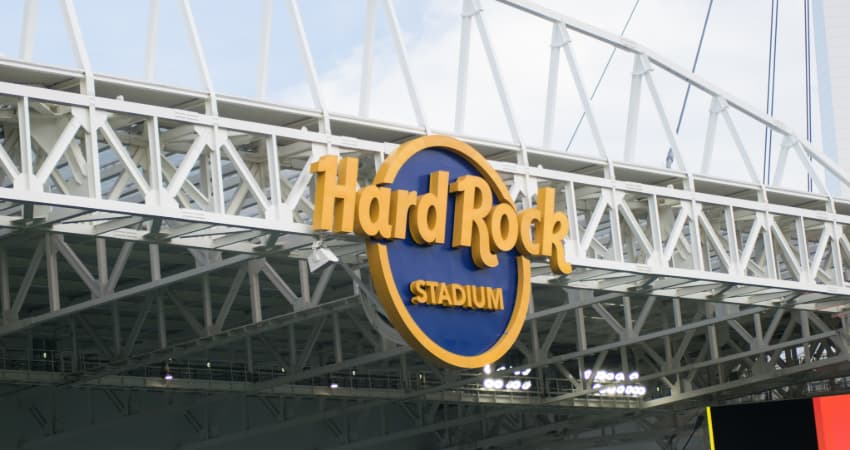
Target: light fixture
(209, 365)
(44, 355)
(526, 372)
(526, 385)
(634, 376)
(500, 368)
(353, 372)
(620, 376)
(334, 385)
(498, 383)
(283, 370)
(320, 256)
(487, 370)
(166, 373)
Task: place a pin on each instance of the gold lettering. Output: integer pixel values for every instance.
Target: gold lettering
(551, 231)
(504, 229)
(429, 214)
(458, 295)
(432, 292)
(495, 301)
(480, 299)
(335, 198)
(445, 298)
(400, 206)
(474, 200)
(527, 245)
(417, 288)
(373, 212)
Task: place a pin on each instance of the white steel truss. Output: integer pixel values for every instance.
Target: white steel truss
(142, 225)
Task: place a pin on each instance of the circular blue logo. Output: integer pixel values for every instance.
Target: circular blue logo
(436, 296)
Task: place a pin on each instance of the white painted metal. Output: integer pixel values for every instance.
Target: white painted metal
(200, 217)
(831, 19)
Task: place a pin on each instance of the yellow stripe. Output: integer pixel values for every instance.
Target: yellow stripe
(710, 427)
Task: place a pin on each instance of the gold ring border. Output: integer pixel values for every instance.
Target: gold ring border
(385, 285)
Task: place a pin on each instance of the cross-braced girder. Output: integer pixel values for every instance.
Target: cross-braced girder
(146, 228)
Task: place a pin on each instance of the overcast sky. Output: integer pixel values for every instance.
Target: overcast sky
(734, 57)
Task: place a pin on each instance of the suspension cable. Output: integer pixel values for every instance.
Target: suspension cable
(604, 71)
(771, 89)
(688, 90)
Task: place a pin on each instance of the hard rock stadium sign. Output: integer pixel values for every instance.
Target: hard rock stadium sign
(448, 250)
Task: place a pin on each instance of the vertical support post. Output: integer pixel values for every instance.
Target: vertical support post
(156, 274)
(655, 230)
(156, 271)
(304, 272)
(732, 240)
(28, 30)
(254, 284)
(835, 251)
(102, 264)
(154, 161)
(273, 161)
(552, 85)
(677, 312)
(216, 174)
(150, 42)
(265, 46)
(634, 109)
(581, 330)
(759, 338)
(249, 354)
(75, 357)
(25, 144)
(368, 57)
(5, 296)
(207, 299)
(463, 65)
(405, 380)
(116, 328)
(710, 134)
(535, 332)
(803, 250)
(160, 321)
(293, 352)
(696, 237)
(50, 252)
(92, 155)
(337, 338)
(769, 253)
(628, 324)
(805, 330)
